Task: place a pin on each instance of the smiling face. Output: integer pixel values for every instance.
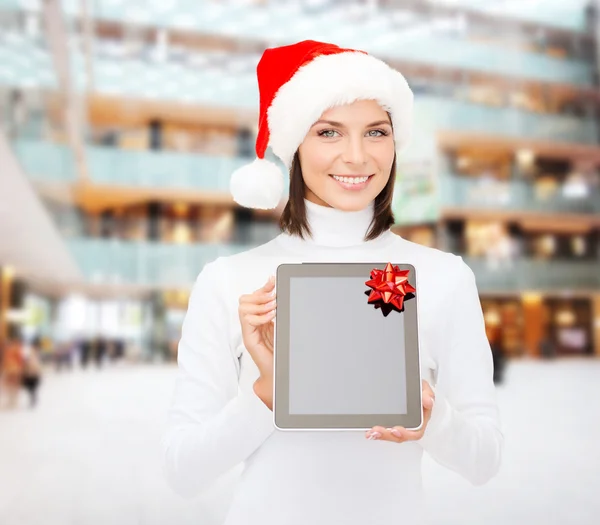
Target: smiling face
(347, 156)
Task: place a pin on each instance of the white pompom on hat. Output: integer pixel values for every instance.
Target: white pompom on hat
(297, 83)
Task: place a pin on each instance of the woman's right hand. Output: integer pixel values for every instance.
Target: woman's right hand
(257, 312)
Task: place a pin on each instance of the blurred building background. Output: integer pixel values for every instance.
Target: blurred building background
(121, 123)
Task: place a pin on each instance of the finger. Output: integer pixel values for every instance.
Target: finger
(374, 433)
(403, 434)
(257, 298)
(395, 434)
(410, 435)
(428, 402)
(428, 396)
(257, 309)
(398, 433)
(426, 388)
(382, 434)
(268, 286)
(258, 320)
(267, 331)
(263, 292)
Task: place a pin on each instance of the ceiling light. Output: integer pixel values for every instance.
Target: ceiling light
(575, 187)
(525, 157)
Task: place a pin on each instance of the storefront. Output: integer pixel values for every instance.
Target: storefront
(12, 293)
(504, 324)
(536, 325)
(570, 326)
(4, 305)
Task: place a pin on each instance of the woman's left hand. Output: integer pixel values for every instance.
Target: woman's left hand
(400, 434)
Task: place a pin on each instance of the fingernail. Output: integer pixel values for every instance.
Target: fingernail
(374, 435)
(396, 432)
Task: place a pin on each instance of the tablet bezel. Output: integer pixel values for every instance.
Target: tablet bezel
(283, 420)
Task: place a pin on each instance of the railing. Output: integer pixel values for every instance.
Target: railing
(51, 162)
(152, 264)
(46, 161)
(557, 13)
(108, 261)
(460, 192)
(424, 47)
(493, 59)
(26, 64)
(161, 169)
(523, 275)
(142, 79)
(509, 122)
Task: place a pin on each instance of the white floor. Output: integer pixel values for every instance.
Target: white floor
(90, 454)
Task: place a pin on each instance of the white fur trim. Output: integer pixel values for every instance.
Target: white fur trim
(257, 185)
(335, 80)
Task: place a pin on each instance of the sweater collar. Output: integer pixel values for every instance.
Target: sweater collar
(331, 227)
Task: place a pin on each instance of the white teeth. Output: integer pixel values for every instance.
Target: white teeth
(351, 180)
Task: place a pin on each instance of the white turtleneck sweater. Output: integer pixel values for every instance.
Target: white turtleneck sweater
(217, 423)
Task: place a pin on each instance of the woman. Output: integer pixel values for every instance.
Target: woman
(335, 118)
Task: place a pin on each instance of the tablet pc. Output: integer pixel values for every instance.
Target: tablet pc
(346, 354)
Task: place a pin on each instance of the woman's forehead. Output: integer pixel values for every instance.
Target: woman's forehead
(359, 109)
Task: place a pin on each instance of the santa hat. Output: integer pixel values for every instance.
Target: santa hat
(297, 83)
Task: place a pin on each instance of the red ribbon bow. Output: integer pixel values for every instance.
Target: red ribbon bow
(389, 285)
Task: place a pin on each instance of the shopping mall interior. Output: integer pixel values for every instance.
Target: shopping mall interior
(121, 129)
(120, 126)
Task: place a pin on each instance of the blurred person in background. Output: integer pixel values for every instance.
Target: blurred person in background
(12, 371)
(101, 348)
(547, 346)
(85, 350)
(18, 113)
(47, 346)
(499, 360)
(336, 118)
(63, 355)
(119, 349)
(32, 372)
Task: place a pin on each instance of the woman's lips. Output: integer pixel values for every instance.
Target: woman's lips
(351, 185)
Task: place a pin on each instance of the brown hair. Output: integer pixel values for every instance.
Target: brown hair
(293, 218)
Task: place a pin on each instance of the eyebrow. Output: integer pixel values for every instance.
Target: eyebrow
(341, 125)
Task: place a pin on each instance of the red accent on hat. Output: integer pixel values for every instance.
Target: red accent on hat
(276, 67)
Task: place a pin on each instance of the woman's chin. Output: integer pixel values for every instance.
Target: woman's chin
(350, 202)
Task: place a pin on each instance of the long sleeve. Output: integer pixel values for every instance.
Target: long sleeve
(464, 431)
(211, 427)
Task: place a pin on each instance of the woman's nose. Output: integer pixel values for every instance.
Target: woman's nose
(354, 152)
